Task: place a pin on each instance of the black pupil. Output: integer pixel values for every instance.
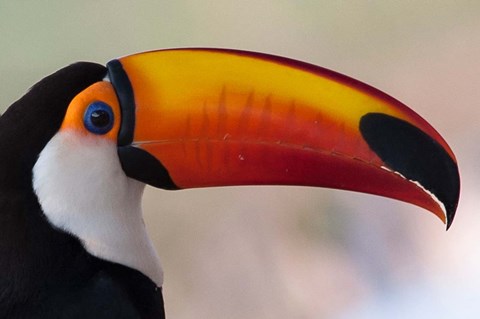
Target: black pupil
(100, 118)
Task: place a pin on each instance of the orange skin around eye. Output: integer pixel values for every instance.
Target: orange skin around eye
(100, 91)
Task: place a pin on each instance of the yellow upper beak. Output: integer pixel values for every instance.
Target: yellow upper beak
(215, 117)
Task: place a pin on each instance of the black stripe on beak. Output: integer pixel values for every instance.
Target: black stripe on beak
(124, 91)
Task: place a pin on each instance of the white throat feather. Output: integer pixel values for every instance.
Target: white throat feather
(83, 190)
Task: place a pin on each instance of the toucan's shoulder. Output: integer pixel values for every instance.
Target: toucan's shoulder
(113, 291)
(102, 296)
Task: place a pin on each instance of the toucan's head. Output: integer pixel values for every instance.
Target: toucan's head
(189, 118)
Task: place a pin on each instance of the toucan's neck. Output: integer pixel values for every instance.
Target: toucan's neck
(33, 253)
(31, 250)
(26, 238)
(47, 273)
(83, 191)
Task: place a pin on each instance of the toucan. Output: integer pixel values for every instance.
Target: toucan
(77, 150)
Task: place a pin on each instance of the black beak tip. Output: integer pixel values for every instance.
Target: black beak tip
(414, 154)
(451, 213)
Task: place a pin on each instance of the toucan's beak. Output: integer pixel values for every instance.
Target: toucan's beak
(209, 117)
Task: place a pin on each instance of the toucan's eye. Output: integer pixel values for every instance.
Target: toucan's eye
(98, 118)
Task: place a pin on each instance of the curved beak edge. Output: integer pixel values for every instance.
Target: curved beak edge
(209, 117)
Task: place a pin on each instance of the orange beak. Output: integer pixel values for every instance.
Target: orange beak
(210, 117)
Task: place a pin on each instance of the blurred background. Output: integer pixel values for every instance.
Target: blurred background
(286, 252)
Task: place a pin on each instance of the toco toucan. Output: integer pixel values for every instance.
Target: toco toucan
(77, 150)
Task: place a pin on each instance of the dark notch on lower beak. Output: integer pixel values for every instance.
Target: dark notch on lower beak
(140, 165)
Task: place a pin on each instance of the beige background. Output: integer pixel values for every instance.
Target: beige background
(278, 252)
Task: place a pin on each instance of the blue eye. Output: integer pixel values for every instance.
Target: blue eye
(98, 118)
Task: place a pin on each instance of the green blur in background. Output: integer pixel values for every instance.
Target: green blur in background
(291, 252)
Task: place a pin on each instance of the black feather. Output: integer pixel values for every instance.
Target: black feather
(45, 272)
